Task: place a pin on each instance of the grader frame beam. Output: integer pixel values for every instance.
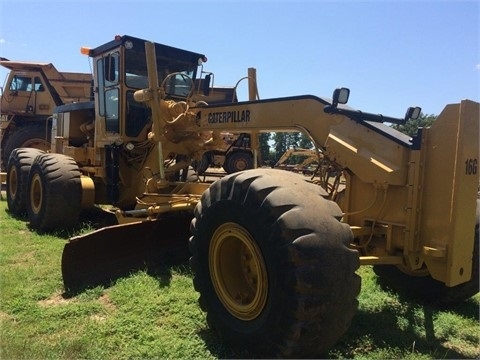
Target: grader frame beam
(382, 165)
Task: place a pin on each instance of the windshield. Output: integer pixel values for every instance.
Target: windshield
(136, 75)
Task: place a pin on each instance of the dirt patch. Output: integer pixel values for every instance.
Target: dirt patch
(107, 302)
(109, 306)
(98, 318)
(55, 300)
(21, 260)
(4, 316)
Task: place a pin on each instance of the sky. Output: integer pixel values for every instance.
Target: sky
(391, 54)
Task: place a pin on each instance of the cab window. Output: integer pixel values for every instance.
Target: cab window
(108, 92)
(37, 84)
(21, 83)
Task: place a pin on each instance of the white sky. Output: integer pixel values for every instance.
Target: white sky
(391, 54)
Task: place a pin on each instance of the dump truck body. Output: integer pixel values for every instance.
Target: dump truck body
(31, 92)
(274, 254)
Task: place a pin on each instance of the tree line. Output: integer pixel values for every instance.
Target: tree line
(274, 144)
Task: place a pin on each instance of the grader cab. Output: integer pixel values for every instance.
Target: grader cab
(274, 254)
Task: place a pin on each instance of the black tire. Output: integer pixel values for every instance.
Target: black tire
(272, 239)
(427, 289)
(27, 136)
(55, 192)
(18, 168)
(238, 161)
(201, 166)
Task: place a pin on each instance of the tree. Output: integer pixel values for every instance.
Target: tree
(411, 126)
(265, 154)
(305, 142)
(280, 144)
(282, 141)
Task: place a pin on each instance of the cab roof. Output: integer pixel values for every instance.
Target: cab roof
(25, 65)
(139, 45)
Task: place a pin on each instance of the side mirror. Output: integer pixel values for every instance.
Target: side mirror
(413, 113)
(340, 96)
(206, 85)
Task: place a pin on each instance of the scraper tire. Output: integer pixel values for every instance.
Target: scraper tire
(55, 192)
(31, 135)
(201, 166)
(272, 266)
(238, 161)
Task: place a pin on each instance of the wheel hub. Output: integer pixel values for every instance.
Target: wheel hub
(36, 194)
(241, 165)
(238, 271)
(13, 182)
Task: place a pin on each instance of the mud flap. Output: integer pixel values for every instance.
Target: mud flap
(100, 257)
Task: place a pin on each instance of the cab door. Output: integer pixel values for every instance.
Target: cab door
(26, 93)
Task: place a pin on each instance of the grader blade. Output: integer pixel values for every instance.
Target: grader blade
(116, 251)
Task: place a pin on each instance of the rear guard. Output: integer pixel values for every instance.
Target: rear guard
(116, 251)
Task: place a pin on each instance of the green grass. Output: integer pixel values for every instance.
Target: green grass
(157, 316)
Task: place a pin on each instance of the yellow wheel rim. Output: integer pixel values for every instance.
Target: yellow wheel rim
(238, 271)
(241, 165)
(36, 194)
(13, 182)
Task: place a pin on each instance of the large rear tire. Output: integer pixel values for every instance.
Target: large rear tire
(271, 264)
(18, 168)
(55, 192)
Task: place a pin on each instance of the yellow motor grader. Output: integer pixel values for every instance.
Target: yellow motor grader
(274, 255)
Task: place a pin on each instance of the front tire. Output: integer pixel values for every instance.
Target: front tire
(18, 168)
(55, 192)
(271, 264)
